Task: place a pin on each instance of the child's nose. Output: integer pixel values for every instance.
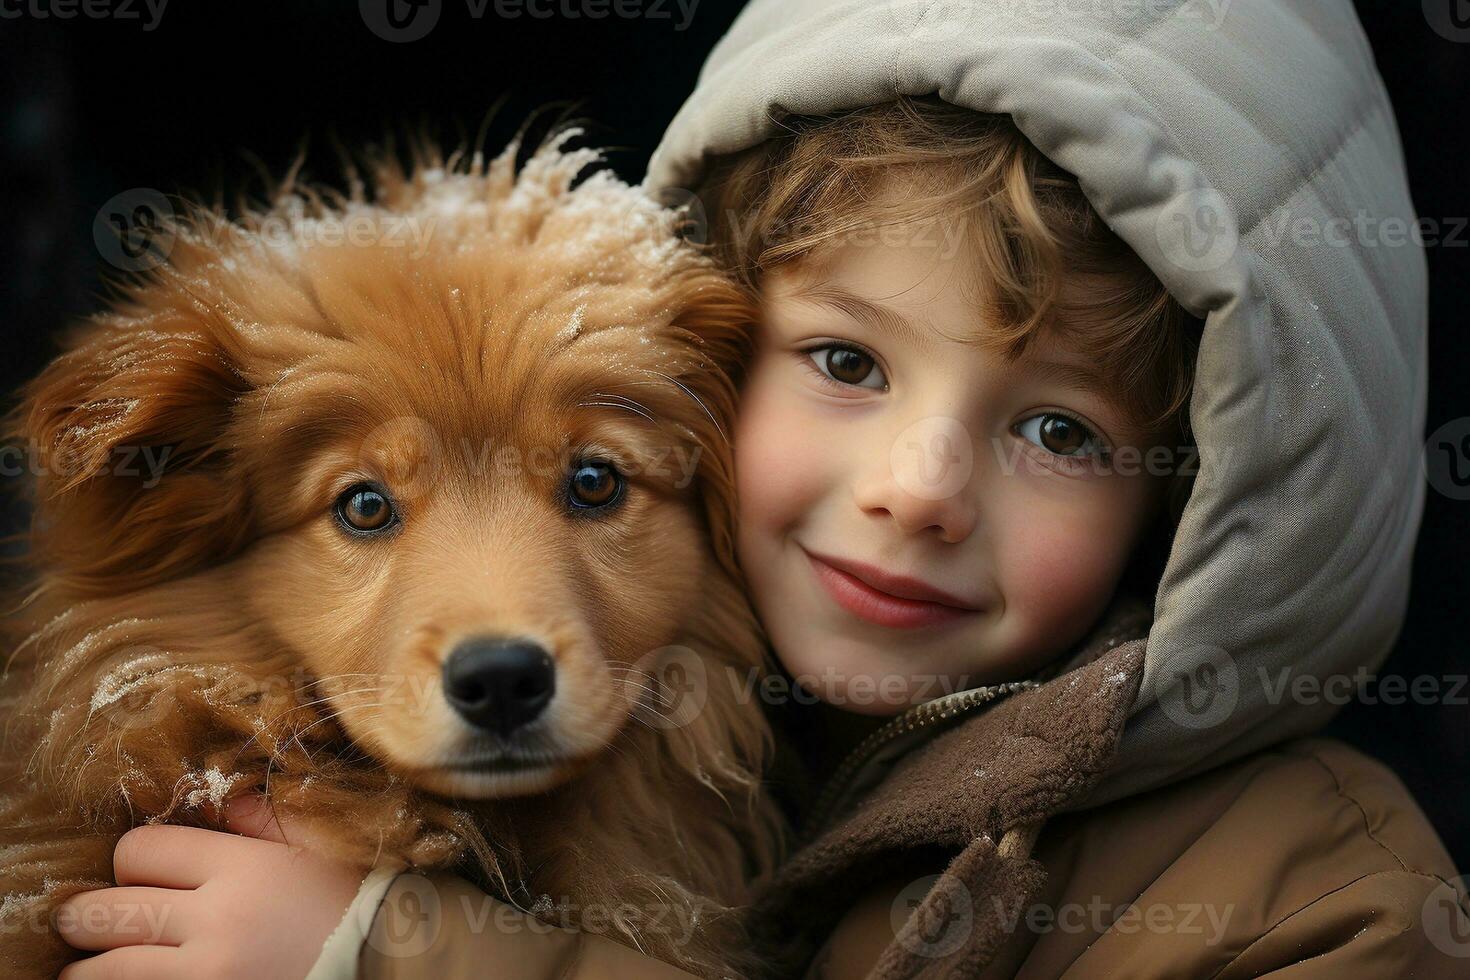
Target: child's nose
(953, 519)
(924, 483)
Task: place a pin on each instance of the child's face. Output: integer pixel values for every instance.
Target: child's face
(923, 457)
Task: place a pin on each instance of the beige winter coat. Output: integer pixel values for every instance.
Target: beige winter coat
(1308, 858)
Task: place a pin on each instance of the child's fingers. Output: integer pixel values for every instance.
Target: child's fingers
(130, 963)
(174, 857)
(108, 918)
(250, 817)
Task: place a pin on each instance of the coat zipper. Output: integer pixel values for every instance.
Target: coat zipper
(929, 713)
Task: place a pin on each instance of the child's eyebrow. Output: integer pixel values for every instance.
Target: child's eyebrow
(883, 319)
(1079, 376)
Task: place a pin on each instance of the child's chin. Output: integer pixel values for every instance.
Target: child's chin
(876, 692)
(872, 709)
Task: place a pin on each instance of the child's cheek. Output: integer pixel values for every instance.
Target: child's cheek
(1057, 569)
(778, 476)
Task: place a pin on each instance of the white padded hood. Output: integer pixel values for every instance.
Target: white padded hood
(1248, 153)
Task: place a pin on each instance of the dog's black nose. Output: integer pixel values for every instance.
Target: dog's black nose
(498, 684)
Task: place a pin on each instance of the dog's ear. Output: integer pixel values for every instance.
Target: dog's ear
(722, 316)
(124, 432)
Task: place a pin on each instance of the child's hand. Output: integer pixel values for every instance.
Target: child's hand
(201, 904)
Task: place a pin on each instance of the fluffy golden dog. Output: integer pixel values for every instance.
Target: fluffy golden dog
(411, 505)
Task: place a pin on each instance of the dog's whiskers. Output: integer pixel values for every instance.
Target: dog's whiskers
(618, 401)
(646, 699)
(286, 717)
(329, 717)
(265, 400)
(698, 401)
(640, 679)
(339, 694)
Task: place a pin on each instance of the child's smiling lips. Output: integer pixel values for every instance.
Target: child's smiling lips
(876, 596)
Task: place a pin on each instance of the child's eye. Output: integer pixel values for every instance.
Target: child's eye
(847, 365)
(1062, 435)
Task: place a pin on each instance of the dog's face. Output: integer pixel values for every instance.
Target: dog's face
(476, 559)
(465, 468)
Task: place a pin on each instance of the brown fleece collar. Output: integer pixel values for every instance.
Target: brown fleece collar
(977, 792)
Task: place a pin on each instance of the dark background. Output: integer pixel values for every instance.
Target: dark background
(92, 107)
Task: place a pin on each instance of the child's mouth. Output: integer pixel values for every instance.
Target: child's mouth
(873, 605)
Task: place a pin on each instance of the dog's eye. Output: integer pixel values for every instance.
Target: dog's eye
(595, 483)
(365, 508)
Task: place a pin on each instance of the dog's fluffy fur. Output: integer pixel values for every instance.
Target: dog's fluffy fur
(192, 632)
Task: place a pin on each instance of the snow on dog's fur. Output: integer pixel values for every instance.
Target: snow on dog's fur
(464, 338)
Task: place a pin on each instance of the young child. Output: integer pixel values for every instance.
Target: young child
(965, 447)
